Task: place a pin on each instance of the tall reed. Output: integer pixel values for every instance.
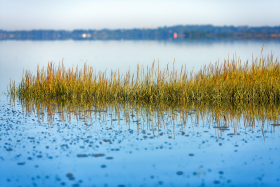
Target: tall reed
(230, 82)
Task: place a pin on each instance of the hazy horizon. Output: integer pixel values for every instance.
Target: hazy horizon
(131, 28)
(124, 14)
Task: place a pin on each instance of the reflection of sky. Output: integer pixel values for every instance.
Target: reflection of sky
(95, 14)
(113, 55)
(149, 157)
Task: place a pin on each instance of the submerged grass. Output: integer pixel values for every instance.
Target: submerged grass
(228, 82)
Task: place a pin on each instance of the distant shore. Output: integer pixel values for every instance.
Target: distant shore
(161, 33)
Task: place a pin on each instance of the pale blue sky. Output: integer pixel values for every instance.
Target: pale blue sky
(113, 14)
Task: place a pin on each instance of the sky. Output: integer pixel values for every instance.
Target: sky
(128, 14)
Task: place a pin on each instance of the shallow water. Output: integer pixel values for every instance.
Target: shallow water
(50, 146)
(114, 147)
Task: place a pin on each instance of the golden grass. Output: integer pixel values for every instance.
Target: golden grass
(229, 82)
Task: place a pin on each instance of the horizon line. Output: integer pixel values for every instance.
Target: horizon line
(147, 28)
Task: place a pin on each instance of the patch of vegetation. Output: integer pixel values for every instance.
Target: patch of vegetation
(227, 82)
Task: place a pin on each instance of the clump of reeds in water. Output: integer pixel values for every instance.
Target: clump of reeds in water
(230, 81)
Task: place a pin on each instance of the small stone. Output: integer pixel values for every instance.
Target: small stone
(179, 173)
(216, 182)
(81, 155)
(70, 176)
(98, 155)
(103, 166)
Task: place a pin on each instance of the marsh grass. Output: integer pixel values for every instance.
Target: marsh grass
(224, 94)
(231, 82)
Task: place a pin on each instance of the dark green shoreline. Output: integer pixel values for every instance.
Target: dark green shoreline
(161, 33)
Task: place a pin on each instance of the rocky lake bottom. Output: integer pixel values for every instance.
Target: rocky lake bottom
(102, 149)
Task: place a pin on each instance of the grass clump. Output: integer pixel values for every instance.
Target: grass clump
(230, 82)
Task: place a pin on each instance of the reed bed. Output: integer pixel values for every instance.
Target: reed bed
(228, 82)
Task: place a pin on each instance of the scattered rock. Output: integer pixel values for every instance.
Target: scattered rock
(98, 155)
(217, 182)
(70, 176)
(179, 173)
(81, 155)
(103, 166)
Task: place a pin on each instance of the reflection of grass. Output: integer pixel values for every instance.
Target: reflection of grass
(229, 82)
(224, 117)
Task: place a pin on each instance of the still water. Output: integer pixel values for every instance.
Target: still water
(130, 145)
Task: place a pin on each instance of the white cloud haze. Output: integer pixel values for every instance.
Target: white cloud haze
(114, 14)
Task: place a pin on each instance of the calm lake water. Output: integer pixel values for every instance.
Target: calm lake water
(50, 145)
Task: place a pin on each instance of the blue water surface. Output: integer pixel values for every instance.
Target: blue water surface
(102, 149)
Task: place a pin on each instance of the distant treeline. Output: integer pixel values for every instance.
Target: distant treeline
(161, 33)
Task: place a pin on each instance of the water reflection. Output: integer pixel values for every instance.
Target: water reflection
(111, 144)
(223, 118)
